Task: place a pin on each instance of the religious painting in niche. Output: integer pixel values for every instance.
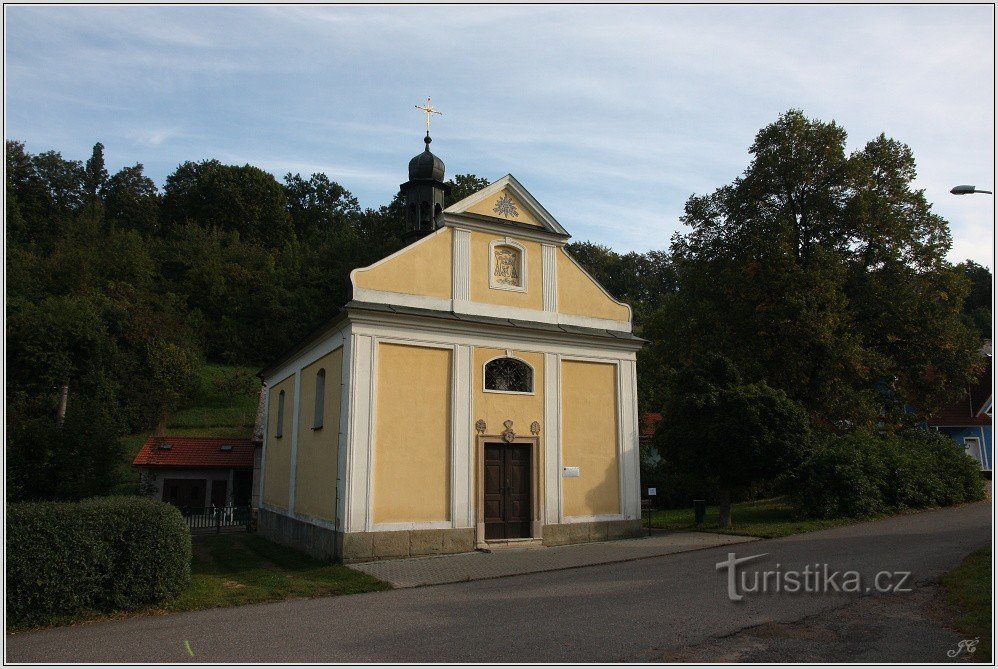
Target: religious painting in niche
(507, 267)
(509, 375)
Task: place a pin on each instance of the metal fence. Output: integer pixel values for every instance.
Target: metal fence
(217, 518)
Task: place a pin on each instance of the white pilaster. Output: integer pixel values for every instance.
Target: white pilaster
(462, 451)
(461, 270)
(346, 406)
(356, 516)
(549, 277)
(630, 457)
(552, 439)
(294, 444)
(263, 447)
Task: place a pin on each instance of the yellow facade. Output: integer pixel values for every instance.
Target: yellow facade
(318, 448)
(411, 481)
(589, 438)
(579, 295)
(481, 269)
(423, 268)
(277, 466)
(490, 206)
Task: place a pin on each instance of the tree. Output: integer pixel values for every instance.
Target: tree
(823, 274)
(132, 201)
(245, 200)
(977, 307)
(95, 177)
(463, 185)
(718, 428)
(318, 205)
(44, 192)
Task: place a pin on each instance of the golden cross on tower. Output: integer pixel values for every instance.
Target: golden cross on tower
(428, 109)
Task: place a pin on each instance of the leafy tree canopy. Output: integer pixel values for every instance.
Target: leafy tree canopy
(824, 274)
(246, 200)
(977, 307)
(818, 272)
(715, 426)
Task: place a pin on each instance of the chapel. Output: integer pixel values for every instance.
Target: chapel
(478, 391)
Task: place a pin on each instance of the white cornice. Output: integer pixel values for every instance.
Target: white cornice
(435, 325)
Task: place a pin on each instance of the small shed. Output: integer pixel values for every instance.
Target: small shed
(197, 472)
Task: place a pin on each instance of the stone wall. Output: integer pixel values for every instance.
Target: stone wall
(362, 546)
(327, 544)
(580, 533)
(320, 542)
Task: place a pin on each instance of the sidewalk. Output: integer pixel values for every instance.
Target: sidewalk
(477, 566)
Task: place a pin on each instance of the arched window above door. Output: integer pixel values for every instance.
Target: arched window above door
(509, 375)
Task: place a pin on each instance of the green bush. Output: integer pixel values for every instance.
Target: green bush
(99, 555)
(862, 474)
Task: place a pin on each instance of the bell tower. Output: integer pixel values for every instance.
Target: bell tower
(425, 190)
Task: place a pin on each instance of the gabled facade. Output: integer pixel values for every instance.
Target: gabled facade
(479, 390)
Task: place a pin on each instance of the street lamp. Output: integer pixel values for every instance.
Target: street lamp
(968, 190)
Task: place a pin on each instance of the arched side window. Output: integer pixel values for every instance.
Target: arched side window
(320, 398)
(507, 265)
(280, 415)
(509, 375)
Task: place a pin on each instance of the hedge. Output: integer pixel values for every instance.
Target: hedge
(862, 474)
(99, 555)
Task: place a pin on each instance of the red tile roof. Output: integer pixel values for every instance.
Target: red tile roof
(195, 453)
(965, 411)
(649, 421)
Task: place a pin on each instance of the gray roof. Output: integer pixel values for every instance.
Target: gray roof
(491, 320)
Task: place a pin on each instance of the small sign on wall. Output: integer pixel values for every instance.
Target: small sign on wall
(652, 492)
(570, 472)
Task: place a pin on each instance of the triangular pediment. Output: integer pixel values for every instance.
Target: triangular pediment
(507, 200)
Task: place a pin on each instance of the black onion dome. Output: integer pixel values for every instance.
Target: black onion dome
(426, 165)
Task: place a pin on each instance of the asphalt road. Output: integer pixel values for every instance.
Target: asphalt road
(607, 613)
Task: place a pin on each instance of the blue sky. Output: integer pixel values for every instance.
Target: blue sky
(611, 116)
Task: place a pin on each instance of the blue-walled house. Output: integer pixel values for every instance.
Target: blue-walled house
(969, 420)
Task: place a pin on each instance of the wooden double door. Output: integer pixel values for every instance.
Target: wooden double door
(508, 482)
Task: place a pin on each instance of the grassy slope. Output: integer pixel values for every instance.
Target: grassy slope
(767, 518)
(225, 406)
(968, 587)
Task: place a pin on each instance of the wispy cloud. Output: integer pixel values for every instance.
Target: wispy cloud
(612, 116)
